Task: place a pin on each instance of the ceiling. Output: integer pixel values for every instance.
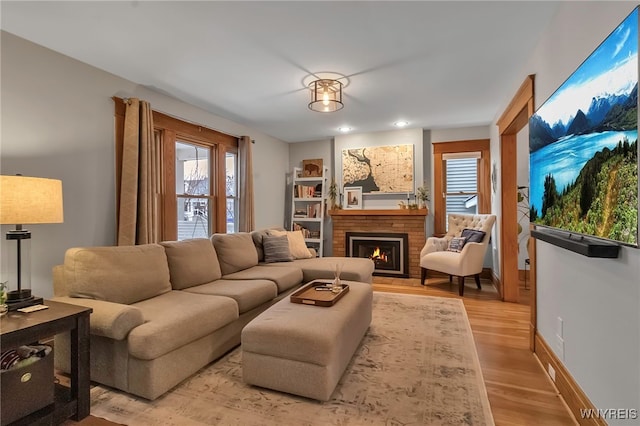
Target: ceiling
(434, 64)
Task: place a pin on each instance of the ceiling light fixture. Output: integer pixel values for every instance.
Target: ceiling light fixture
(344, 129)
(326, 95)
(401, 123)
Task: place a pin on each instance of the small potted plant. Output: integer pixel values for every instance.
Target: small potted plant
(332, 193)
(422, 195)
(3, 298)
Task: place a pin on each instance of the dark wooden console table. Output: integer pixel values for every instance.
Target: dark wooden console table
(17, 328)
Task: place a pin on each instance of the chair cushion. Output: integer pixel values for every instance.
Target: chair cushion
(176, 318)
(191, 262)
(457, 244)
(276, 249)
(235, 251)
(285, 277)
(473, 235)
(248, 294)
(119, 274)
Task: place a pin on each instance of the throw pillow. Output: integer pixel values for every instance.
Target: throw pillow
(473, 235)
(297, 245)
(456, 244)
(276, 249)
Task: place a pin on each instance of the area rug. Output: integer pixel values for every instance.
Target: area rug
(417, 365)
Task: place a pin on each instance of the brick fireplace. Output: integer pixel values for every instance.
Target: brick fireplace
(400, 221)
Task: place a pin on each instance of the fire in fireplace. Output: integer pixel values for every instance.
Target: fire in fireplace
(388, 251)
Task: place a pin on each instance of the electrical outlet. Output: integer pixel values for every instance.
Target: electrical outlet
(552, 372)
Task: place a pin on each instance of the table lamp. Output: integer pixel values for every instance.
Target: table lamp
(27, 200)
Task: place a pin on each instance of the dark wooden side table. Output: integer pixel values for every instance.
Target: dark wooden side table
(17, 328)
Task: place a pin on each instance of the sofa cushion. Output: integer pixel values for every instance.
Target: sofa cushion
(119, 274)
(276, 249)
(235, 251)
(285, 277)
(258, 236)
(176, 318)
(353, 268)
(297, 245)
(191, 262)
(248, 294)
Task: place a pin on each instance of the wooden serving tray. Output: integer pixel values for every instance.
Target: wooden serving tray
(308, 295)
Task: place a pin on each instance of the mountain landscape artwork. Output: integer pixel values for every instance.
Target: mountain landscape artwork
(583, 145)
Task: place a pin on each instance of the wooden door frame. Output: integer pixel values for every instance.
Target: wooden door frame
(513, 119)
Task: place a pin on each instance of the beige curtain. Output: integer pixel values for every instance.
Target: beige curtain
(139, 217)
(246, 222)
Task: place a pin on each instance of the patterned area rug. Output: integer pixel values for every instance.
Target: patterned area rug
(417, 365)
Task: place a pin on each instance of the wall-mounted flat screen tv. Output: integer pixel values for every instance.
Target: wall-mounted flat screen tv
(583, 145)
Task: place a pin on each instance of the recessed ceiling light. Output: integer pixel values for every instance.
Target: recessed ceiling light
(401, 123)
(344, 129)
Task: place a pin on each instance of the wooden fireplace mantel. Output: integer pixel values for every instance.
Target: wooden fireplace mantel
(386, 212)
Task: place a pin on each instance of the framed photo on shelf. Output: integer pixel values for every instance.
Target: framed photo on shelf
(312, 168)
(353, 197)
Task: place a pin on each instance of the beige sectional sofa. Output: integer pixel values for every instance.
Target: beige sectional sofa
(163, 311)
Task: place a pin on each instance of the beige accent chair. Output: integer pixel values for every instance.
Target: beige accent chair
(469, 261)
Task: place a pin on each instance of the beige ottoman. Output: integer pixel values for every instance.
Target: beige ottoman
(303, 349)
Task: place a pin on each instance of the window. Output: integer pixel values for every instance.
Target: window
(461, 180)
(194, 197)
(461, 184)
(197, 163)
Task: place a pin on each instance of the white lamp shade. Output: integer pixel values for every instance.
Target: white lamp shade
(25, 200)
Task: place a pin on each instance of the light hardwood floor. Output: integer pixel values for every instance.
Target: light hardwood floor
(519, 391)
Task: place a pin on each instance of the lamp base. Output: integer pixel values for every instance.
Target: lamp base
(22, 299)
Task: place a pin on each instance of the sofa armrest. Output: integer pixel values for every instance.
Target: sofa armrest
(434, 244)
(112, 320)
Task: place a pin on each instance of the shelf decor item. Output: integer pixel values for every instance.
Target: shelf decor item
(27, 200)
(312, 168)
(3, 299)
(332, 193)
(422, 195)
(353, 196)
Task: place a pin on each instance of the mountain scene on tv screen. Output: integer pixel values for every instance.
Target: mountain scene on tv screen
(583, 145)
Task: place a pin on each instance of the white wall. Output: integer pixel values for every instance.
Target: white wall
(597, 299)
(460, 134)
(57, 122)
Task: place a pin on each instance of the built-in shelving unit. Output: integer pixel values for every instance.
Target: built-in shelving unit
(308, 207)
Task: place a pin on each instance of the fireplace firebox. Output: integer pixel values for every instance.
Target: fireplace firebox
(388, 251)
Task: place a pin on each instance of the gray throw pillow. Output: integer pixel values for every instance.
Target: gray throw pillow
(473, 235)
(276, 249)
(457, 244)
